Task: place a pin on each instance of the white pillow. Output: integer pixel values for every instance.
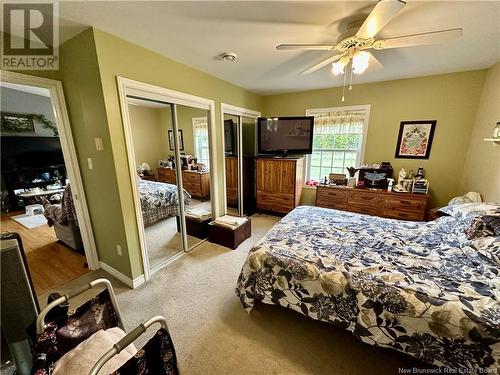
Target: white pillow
(81, 359)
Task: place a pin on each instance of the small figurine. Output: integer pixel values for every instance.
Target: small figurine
(401, 176)
(351, 181)
(389, 185)
(420, 173)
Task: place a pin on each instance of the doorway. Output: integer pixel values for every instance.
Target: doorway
(39, 174)
(169, 140)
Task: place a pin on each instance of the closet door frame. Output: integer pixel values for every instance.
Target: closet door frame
(129, 87)
(228, 109)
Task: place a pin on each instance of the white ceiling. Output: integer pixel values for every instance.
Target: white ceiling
(194, 33)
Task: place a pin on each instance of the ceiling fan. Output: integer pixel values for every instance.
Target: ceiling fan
(360, 37)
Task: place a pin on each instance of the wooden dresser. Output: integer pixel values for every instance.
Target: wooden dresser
(232, 180)
(279, 184)
(376, 202)
(195, 183)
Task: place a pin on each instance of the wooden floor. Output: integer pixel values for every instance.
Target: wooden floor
(51, 263)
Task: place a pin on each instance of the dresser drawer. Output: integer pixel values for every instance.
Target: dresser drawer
(409, 203)
(330, 194)
(166, 178)
(232, 195)
(166, 175)
(404, 215)
(193, 189)
(275, 201)
(368, 210)
(191, 177)
(331, 204)
(362, 198)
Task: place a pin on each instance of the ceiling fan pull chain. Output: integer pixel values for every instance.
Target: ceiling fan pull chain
(343, 89)
(350, 80)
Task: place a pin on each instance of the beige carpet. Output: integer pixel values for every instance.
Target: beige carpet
(214, 335)
(162, 239)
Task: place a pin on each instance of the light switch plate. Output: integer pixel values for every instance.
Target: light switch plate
(89, 162)
(99, 144)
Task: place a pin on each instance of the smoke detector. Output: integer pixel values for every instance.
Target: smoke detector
(228, 56)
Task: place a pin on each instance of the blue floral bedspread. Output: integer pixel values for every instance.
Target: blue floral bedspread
(420, 288)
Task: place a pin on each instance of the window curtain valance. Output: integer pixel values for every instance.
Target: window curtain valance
(339, 122)
(200, 126)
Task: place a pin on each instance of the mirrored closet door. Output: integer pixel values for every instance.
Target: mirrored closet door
(231, 152)
(173, 176)
(240, 154)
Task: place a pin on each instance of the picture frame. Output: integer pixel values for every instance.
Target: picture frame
(415, 139)
(16, 123)
(171, 140)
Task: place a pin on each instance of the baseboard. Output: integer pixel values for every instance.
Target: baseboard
(138, 281)
(123, 278)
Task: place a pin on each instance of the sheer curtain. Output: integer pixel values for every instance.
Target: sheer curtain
(341, 122)
(200, 135)
(337, 142)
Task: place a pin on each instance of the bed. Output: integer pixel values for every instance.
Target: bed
(159, 200)
(424, 289)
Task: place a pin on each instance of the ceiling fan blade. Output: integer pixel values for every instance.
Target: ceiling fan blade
(380, 16)
(375, 64)
(434, 37)
(304, 47)
(322, 64)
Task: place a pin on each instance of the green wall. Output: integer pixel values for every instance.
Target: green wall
(117, 57)
(79, 74)
(451, 99)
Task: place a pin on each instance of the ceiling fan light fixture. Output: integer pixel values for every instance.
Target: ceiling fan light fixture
(338, 67)
(360, 62)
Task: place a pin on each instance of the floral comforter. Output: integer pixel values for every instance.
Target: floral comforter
(420, 288)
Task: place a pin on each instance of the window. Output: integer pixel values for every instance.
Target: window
(200, 136)
(338, 140)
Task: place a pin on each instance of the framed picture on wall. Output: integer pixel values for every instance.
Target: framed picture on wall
(171, 140)
(415, 139)
(15, 123)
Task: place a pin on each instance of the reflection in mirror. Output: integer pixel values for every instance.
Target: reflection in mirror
(194, 145)
(150, 123)
(231, 163)
(157, 166)
(248, 129)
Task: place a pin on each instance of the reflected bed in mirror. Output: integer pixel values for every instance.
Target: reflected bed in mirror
(151, 125)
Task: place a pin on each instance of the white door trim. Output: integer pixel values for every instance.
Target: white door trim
(240, 112)
(70, 158)
(127, 87)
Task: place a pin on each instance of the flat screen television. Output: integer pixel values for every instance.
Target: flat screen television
(229, 138)
(30, 152)
(285, 135)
